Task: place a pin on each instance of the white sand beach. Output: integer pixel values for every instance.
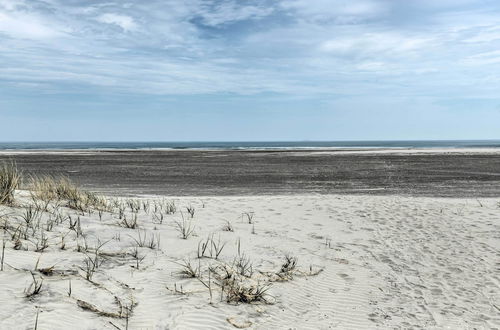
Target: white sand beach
(265, 164)
(362, 262)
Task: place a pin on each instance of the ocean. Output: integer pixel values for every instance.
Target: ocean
(250, 145)
(253, 168)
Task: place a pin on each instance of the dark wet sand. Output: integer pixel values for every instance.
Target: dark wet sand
(195, 172)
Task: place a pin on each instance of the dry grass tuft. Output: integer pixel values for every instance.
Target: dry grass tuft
(228, 227)
(289, 264)
(239, 292)
(35, 287)
(185, 228)
(188, 270)
(47, 188)
(191, 210)
(130, 224)
(144, 240)
(10, 178)
(237, 288)
(216, 247)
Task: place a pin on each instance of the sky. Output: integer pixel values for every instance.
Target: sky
(236, 70)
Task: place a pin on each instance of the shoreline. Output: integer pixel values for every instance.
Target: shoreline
(333, 150)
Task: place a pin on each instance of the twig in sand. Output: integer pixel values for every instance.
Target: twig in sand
(249, 216)
(3, 254)
(89, 307)
(177, 289)
(36, 319)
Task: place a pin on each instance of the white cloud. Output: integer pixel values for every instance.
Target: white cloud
(26, 26)
(343, 11)
(11, 4)
(486, 35)
(230, 11)
(127, 23)
(306, 49)
(374, 44)
(487, 58)
(372, 66)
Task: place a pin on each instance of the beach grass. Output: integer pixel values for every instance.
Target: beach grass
(10, 179)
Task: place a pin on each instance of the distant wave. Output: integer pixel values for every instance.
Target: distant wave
(249, 145)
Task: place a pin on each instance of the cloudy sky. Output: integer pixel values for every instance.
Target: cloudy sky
(171, 70)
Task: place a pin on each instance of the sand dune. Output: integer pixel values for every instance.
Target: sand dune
(364, 262)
